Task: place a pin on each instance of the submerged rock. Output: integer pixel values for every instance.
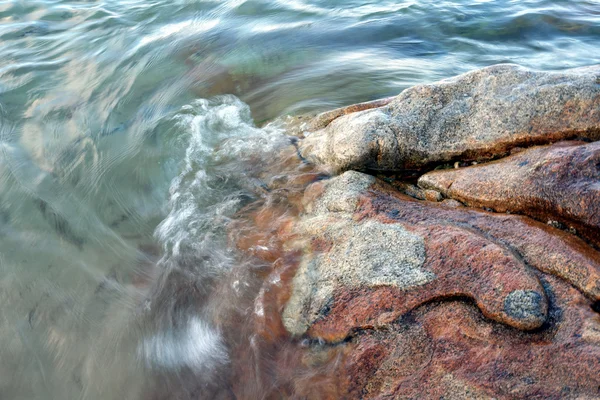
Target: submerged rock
(476, 116)
(550, 183)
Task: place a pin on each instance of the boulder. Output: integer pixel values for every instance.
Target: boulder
(477, 116)
(414, 284)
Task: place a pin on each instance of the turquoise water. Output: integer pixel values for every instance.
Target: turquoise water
(127, 133)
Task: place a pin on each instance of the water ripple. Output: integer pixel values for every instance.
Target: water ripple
(128, 131)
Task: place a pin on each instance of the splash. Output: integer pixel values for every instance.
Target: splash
(221, 170)
(198, 346)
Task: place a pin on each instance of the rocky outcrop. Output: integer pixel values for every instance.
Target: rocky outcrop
(375, 254)
(476, 116)
(551, 183)
(297, 125)
(373, 294)
(451, 286)
(447, 350)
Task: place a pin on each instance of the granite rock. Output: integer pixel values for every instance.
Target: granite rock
(370, 287)
(475, 116)
(558, 183)
(374, 294)
(379, 254)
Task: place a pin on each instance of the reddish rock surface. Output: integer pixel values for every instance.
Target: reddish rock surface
(431, 340)
(469, 253)
(350, 289)
(550, 183)
(448, 350)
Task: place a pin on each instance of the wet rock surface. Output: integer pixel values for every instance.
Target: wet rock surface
(455, 288)
(476, 116)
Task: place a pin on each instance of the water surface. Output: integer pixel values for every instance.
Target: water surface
(128, 134)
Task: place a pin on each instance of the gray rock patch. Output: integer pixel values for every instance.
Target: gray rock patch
(525, 305)
(341, 193)
(362, 254)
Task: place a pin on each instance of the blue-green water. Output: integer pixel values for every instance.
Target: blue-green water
(119, 167)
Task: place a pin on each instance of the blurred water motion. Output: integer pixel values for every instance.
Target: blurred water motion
(122, 163)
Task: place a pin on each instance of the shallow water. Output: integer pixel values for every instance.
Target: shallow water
(129, 138)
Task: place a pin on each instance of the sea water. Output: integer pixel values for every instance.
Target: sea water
(129, 135)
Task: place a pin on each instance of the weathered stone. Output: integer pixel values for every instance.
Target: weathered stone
(375, 254)
(361, 256)
(476, 116)
(524, 305)
(447, 350)
(412, 338)
(301, 124)
(558, 183)
(356, 290)
(417, 192)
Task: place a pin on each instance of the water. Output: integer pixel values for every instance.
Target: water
(131, 132)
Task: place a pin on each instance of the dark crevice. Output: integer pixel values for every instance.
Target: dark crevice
(470, 157)
(407, 176)
(596, 306)
(555, 313)
(294, 142)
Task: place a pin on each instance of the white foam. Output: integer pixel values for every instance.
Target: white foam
(219, 137)
(197, 346)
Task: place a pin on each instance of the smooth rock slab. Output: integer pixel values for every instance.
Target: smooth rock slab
(560, 183)
(475, 116)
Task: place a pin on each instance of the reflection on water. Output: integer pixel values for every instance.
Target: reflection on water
(118, 182)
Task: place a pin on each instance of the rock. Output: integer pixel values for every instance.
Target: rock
(417, 192)
(447, 350)
(476, 116)
(362, 256)
(375, 254)
(559, 183)
(376, 294)
(300, 124)
(361, 286)
(451, 203)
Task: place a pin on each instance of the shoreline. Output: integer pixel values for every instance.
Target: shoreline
(378, 287)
